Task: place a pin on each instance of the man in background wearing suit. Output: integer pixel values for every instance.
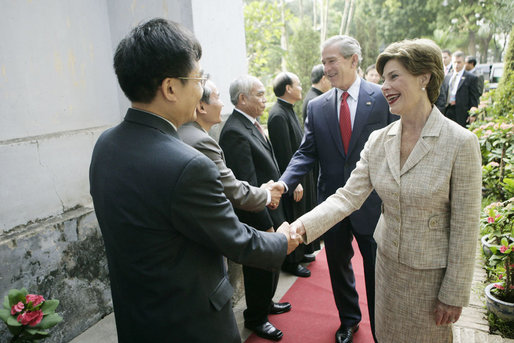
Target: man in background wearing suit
(447, 61)
(241, 194)
(165, 221)
(459, 92)
(249, 154)
(470, 66)
(338, 124)
(285, 133)
(320, 85)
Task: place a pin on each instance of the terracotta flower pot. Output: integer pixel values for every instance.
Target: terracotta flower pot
(502, 309)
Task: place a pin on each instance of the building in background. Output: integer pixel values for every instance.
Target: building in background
(58, 93)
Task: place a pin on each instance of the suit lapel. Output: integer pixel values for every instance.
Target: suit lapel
(423, 146)
(329, 109)
(365, 104)
(392, 149)
(461, 82)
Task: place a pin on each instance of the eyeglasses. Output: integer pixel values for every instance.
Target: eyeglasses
(202, 80)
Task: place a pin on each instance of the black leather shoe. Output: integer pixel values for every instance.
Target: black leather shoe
(345, 335)
(309, 258)
(279, 308)
(298, 270)
(266, 330)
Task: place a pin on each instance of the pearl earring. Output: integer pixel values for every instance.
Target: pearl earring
(423, 89)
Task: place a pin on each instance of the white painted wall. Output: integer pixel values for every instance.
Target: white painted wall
(58, 90)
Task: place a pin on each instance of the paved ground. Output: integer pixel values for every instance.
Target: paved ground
(472, 327)
(105, 330)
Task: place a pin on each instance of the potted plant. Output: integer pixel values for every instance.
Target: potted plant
(496, 224)
(28, 316)
(500, 294)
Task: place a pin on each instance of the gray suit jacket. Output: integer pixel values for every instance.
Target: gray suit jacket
(431, 206)
(241, 194)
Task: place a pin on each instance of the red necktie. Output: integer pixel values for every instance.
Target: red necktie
(259, 127)
(345, 122)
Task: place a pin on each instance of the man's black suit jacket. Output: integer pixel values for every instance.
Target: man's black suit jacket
(467, 96)
(311, 94)
(251, 158)
(166, 224)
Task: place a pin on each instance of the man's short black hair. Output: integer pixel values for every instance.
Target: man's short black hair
(447, 51)
(151, 52)
(472, 60)
(317, 73)
(281, 81)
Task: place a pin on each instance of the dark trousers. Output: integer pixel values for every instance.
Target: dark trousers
(260, 286)
(338, 246)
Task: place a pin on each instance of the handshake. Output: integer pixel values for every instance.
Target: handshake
(276, 190)
(294, 233)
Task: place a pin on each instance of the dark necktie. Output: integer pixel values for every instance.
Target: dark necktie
(345, 122)
(259, 127)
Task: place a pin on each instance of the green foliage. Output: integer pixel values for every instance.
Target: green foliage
(263, 28)
(28, 329)
(496, 324)
(302, 55)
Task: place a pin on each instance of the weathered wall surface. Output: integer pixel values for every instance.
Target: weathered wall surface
(58, 93)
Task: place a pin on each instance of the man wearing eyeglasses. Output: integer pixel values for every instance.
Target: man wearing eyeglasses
(164, 218)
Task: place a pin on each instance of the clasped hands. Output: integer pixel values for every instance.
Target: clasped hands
(277, 189)
(294, 233)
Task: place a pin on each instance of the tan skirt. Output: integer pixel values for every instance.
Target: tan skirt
(405, 299)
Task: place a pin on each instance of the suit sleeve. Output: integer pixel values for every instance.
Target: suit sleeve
(304, 158)
(343, 202)
(474, 91)
(280, 137)
(465, 197)
(242, 195)
(202, 213)
(443, 95)
(238, 155)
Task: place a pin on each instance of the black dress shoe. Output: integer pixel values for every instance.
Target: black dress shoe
(345, 334)
(298, 270)
(266, 330)
(279, 308)
(309, 258)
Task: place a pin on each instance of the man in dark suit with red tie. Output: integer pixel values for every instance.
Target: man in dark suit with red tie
(338, 125)
(249, 154)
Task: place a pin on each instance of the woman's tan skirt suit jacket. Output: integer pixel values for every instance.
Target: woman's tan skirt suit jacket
(429, 221)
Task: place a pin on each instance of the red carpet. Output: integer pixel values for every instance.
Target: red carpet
(314, 316)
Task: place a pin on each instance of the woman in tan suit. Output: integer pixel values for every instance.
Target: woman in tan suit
(426, 169)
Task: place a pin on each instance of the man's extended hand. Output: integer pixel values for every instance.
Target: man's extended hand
(298, 193)
(276, 189)
(297, 229)
(292, 243)
(446, 314)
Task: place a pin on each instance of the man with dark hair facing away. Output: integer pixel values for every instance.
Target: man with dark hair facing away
(165, 221)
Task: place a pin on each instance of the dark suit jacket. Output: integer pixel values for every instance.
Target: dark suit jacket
(166, 224)
(311, 94)
(467, 96)
(286, 135)
(322, 143)
(252, 159)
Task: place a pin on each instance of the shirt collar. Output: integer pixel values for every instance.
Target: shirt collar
(250, 118)
(156, 115)
(353, 91)
(459, 74)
